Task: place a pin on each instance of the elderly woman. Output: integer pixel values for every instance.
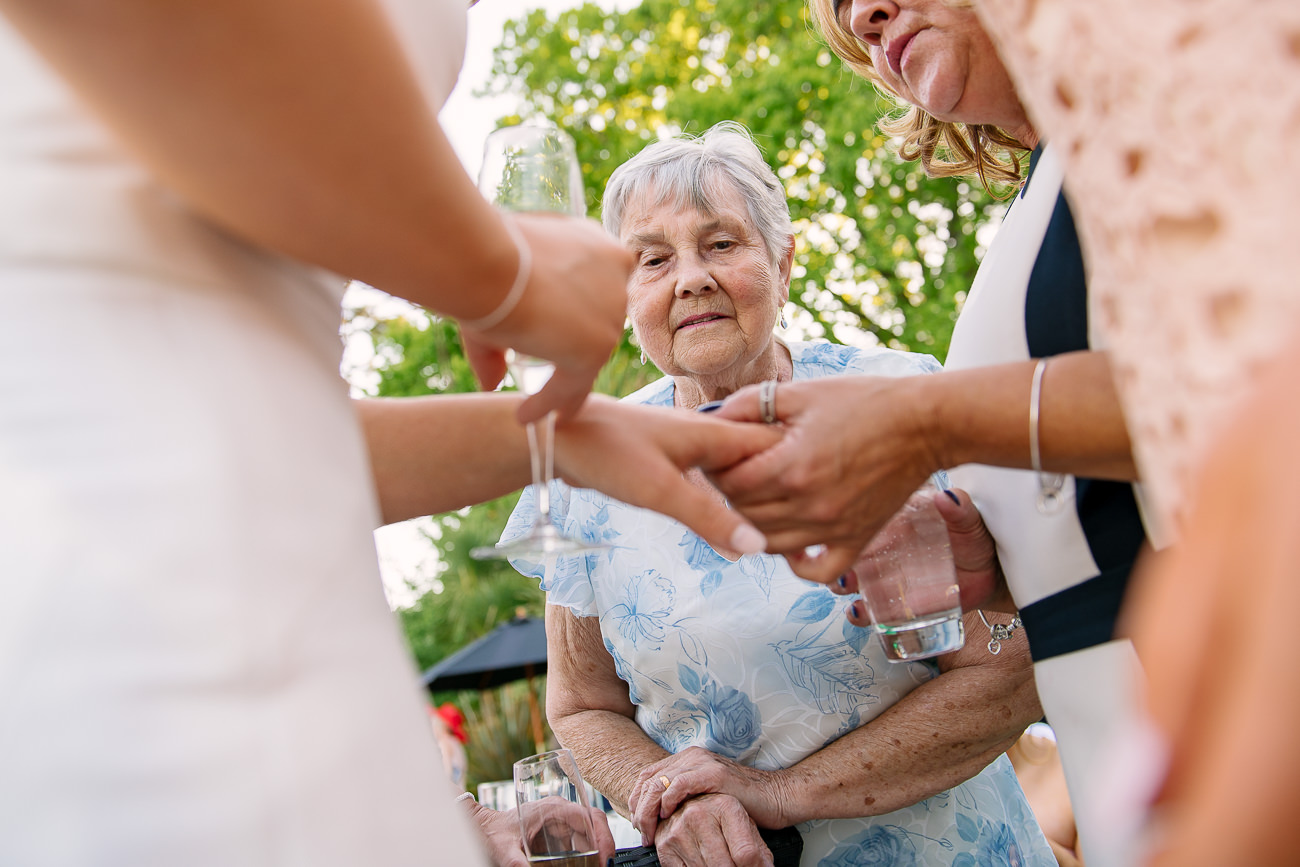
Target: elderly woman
(679, 669)
(1025, 387)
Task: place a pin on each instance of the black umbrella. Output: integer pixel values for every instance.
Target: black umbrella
(513, 650)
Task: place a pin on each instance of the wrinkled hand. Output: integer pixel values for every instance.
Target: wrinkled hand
(572, 312)
(696, 771)
(502, 835)
(638, 454)
(500, 831)
(852, 454)
(558, 824)
(974, 556)
(711, 831)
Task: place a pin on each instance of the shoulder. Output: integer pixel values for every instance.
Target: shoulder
(813, 359)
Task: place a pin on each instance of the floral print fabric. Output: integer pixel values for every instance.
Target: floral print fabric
(747, 660)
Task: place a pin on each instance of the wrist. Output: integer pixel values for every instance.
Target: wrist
(783, 793)
(506, 304)
(932, 429)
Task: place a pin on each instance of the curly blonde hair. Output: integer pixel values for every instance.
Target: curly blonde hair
(944, 149)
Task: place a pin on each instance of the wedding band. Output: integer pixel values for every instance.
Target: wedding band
(767, 401)
(667, 782)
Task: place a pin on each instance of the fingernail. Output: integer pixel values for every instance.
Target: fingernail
(858, 609)
(748, 540)
(843, 581)
(953, 497)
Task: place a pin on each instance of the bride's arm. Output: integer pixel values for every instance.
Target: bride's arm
(300, 127)
(435, 454)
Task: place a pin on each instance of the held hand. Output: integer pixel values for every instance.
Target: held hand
(558, 819)
(571, 313)
(638, 454)
(851, 455)
(711, 831)
(502, 834)
(696, 771)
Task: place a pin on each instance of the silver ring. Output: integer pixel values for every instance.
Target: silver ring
(767, 401)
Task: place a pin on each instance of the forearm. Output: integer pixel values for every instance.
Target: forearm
(300, 129)
(981, 415)
(590, 709)
(939, 735)
(610, 748)
(435, 454)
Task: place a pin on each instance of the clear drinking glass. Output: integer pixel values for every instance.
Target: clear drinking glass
(554, 814)
(909, 584)
(534, 168)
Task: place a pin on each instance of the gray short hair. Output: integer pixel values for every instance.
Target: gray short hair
(689, 170)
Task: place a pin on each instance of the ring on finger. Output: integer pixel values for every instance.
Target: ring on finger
(767, 401)
(667, 782)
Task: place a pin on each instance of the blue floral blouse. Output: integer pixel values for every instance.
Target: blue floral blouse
(747, 660)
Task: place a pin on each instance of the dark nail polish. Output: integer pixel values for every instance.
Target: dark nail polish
(843, 581)
(952, 496)
(857, 609)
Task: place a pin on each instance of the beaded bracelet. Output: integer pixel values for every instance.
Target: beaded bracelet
(999, 632)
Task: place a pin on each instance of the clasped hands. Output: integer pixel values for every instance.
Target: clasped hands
(843, 457)
(709, 812)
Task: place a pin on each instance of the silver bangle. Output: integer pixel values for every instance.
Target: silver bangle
(511, 299)
(999, 632)
(1050, 485)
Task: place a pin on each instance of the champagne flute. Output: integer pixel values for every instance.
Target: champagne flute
(554, 814)
(534, 168)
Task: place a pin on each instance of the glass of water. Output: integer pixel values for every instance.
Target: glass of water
(909, 584)
(554, 812)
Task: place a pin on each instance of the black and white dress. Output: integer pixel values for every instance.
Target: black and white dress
(1067, 571)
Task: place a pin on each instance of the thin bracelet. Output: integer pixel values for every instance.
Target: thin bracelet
(511, 300)
(466, 796)
(999, 633)
(1050, 485)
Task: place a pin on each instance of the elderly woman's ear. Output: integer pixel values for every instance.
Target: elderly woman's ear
(787, 267)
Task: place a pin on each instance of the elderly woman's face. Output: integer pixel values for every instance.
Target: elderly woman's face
(704, 294)
(936, 56)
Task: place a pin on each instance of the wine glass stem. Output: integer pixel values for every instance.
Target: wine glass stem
(542, 457)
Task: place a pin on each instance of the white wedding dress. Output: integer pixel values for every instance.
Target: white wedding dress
(197, 664)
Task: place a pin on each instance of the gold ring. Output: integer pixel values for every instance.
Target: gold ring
(667, 782)
(767, 401)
